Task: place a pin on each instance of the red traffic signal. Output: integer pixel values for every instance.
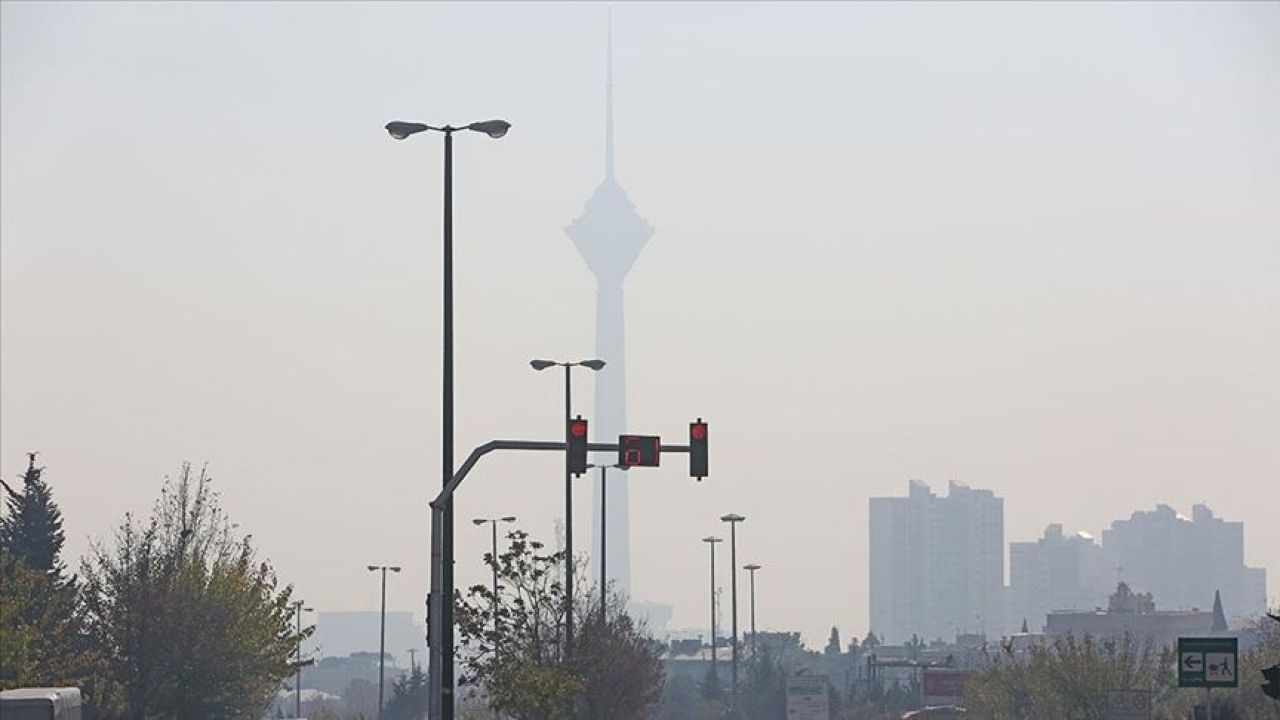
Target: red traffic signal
(576, 446)
(698, 449)
(639, 450)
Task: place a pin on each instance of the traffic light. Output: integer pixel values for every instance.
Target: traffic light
(639, 450)
(698, 449)
(1272, 686)
(576, 445)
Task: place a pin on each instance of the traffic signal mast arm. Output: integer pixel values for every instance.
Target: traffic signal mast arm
(435, 608)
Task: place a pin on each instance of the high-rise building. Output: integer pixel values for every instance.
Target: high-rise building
(1056, 572)
(1183, 561)
(937, 563)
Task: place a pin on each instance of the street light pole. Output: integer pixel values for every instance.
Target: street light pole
(382, 628)
(568, 483)
(400, 130)
(733, 521)
(493, 523)
(715, 676)
(297, 684)
(752, 568)
(604, 536)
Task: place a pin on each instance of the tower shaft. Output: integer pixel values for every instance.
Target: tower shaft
(611, 421)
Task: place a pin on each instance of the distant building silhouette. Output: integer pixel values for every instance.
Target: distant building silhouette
(937, 564)
(338, 634)
(1056, 572)
(1183, 561)
(1132, 614)
(610, 235)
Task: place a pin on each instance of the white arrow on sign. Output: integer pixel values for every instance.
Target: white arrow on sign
(1193, 661)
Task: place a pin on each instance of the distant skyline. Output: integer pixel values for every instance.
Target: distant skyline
(1030, 247)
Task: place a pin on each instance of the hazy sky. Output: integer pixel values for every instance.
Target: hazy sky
(1034, 248)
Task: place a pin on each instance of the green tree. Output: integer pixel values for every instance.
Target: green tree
(614, 671)
(190, 622)
(42, 639)
(833, 642)
(31, 530)
(1067, 679)
(409, 697)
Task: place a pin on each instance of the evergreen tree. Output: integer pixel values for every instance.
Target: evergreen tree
(31, 530)
(410, 697)
(833, 642)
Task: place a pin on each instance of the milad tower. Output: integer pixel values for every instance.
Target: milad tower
(610, 235)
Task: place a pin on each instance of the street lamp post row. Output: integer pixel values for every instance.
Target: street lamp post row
(593, 365)
(733, 520)
(401, 130)
(382, 628)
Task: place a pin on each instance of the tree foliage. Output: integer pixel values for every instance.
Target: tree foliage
(410, 697)
(1067, 679)
(42, 639)
(31, 529)
(518, 653)
(190, 623)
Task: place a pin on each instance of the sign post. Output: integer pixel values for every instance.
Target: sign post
(1208, 662)
(807, 698)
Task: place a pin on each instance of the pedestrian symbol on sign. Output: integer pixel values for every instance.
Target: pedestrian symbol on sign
(1220, 667)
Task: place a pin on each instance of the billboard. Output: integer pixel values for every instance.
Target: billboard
(943, 686)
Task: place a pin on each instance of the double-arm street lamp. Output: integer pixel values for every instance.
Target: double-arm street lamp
(733, 521)
(382, 627)
(711, 540)
(400, 130)
(493, 525)
(299, 608)
(594, 365)
(604, 535)
(752, 568)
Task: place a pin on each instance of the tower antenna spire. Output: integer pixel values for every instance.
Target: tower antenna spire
(608, 100)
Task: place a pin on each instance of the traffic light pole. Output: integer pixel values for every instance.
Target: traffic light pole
(568, 514)
(439, 642)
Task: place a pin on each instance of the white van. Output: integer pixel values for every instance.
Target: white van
(40, 704)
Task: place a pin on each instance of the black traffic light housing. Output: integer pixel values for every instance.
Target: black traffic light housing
(698, 449)
(1272, 686)
(576, 445)
(639, 450)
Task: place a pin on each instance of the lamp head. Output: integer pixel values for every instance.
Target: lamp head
(731, 517)
(509, 519)
(493, 128)
(751, 566)
(596, 365)
(711, 539)
(373, 568)
(400, 130)
(479, 521)
(541, 364)
(394, 568)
